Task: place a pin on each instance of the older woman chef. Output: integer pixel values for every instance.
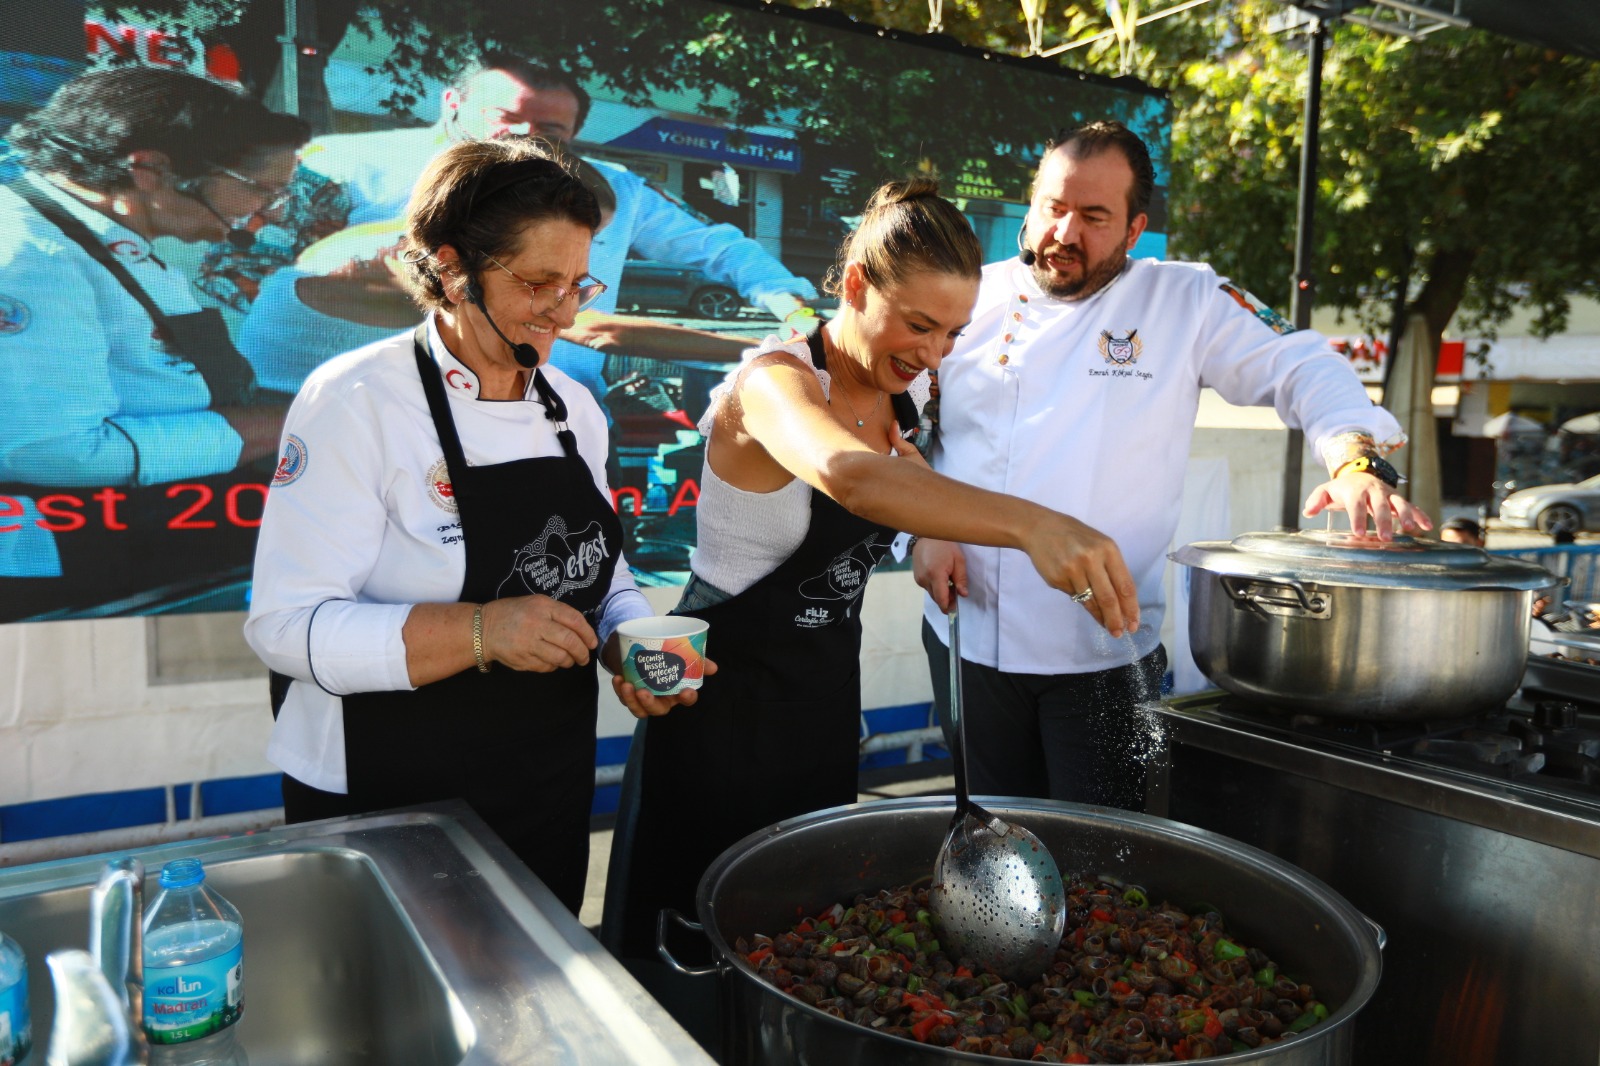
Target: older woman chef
(440, 561)
(112, 376)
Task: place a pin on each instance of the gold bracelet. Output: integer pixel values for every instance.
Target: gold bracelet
(477, 639)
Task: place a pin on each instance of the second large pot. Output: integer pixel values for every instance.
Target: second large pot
(1330, 624)
(804, 865)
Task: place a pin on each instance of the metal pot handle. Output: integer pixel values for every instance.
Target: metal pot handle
(666, 955)
(1266, 596)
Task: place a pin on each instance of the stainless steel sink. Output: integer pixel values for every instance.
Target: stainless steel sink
(405, 939)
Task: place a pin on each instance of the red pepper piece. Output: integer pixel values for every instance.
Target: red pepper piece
(756, 956)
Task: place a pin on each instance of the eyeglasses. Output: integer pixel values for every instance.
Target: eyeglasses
(588, 290)
(276, 196)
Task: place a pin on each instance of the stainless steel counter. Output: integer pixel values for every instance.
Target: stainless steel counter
(405, 939)
(1487, 889)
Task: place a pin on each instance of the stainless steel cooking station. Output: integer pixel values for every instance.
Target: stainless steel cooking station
(1475, 845)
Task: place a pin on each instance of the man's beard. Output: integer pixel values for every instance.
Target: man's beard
(1095, 277)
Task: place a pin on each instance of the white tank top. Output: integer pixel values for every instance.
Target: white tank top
(743, 536)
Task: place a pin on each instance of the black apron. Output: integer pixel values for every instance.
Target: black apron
(775, 732)
(519, 747)
(179, 541)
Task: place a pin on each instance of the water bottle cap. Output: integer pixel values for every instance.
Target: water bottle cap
(182, 873)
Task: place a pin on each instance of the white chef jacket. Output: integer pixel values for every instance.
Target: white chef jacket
(284, 339)
(1088, 408)
(356, 530)
(88, 395)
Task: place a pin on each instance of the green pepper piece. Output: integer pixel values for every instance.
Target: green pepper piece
(1136, 898)
(906, 940)
(874, 923)
(1085, 997)
(923, 917)
(930, 946)
(1306, 1020)
(1019, 1005)
(913, 983)
(1041, 1031)
(1266, 977)
(825, 925)
(1226, 950)
(828, 941)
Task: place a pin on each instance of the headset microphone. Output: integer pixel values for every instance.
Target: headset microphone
(526, 355)
(1025, 253)
(238, 238)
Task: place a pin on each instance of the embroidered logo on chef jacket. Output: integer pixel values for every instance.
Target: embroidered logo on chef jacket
(457, 380)
(1274, 321)
(132, 251)
(1120, 351)
(14, 316)
(845, 578)
(293, 462)
(557, 561)
(440, 491)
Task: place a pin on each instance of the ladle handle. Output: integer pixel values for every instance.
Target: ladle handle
(958, 755)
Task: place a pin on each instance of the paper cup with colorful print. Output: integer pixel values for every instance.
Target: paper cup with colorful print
(664, 654)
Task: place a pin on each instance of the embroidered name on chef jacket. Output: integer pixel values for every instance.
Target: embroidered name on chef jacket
(558, 562)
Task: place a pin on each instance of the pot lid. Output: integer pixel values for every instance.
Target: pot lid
(1332, 557)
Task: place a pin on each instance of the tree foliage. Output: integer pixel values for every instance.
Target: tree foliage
(1460, 166)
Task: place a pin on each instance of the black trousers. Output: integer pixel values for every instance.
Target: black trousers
(1083, 738)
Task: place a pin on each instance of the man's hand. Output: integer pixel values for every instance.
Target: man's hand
(939, 567)
(1362, 496)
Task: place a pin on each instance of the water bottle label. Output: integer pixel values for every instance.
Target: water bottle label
(16, 1033)
(188, 1002)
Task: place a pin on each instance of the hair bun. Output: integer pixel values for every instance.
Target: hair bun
(899, 192)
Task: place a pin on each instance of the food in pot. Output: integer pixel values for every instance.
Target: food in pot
(1133, 981)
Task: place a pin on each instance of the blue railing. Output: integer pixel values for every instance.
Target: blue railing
(1580, 562)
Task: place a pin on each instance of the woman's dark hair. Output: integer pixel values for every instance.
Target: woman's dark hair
(94, 121)
(908, 228)
(477, 197)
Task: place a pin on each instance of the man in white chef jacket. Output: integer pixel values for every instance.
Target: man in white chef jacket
(290, 329)
(1076, 386)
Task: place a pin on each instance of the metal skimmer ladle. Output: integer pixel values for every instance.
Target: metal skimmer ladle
(996, 889)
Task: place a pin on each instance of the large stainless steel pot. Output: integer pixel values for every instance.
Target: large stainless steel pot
(808, 863)
(1337, 625)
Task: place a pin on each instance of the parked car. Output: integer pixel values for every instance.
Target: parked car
(1552, 508)
(651, 285)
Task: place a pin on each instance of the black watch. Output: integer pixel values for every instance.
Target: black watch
(1378, 467)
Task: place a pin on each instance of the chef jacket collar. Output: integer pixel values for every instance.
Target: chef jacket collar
(459, 379)
(121, 241)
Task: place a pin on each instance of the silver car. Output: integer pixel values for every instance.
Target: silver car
(1553, 508)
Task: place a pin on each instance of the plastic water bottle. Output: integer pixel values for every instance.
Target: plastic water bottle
(193, 970)
(16, 1034)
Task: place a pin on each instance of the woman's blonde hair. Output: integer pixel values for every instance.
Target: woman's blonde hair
(908, 228)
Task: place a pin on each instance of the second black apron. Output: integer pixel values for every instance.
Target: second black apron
(783, 713)
(519, 747)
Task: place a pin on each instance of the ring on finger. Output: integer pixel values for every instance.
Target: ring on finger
(1083, 597)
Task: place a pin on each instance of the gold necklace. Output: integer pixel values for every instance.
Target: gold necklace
(859, 420)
